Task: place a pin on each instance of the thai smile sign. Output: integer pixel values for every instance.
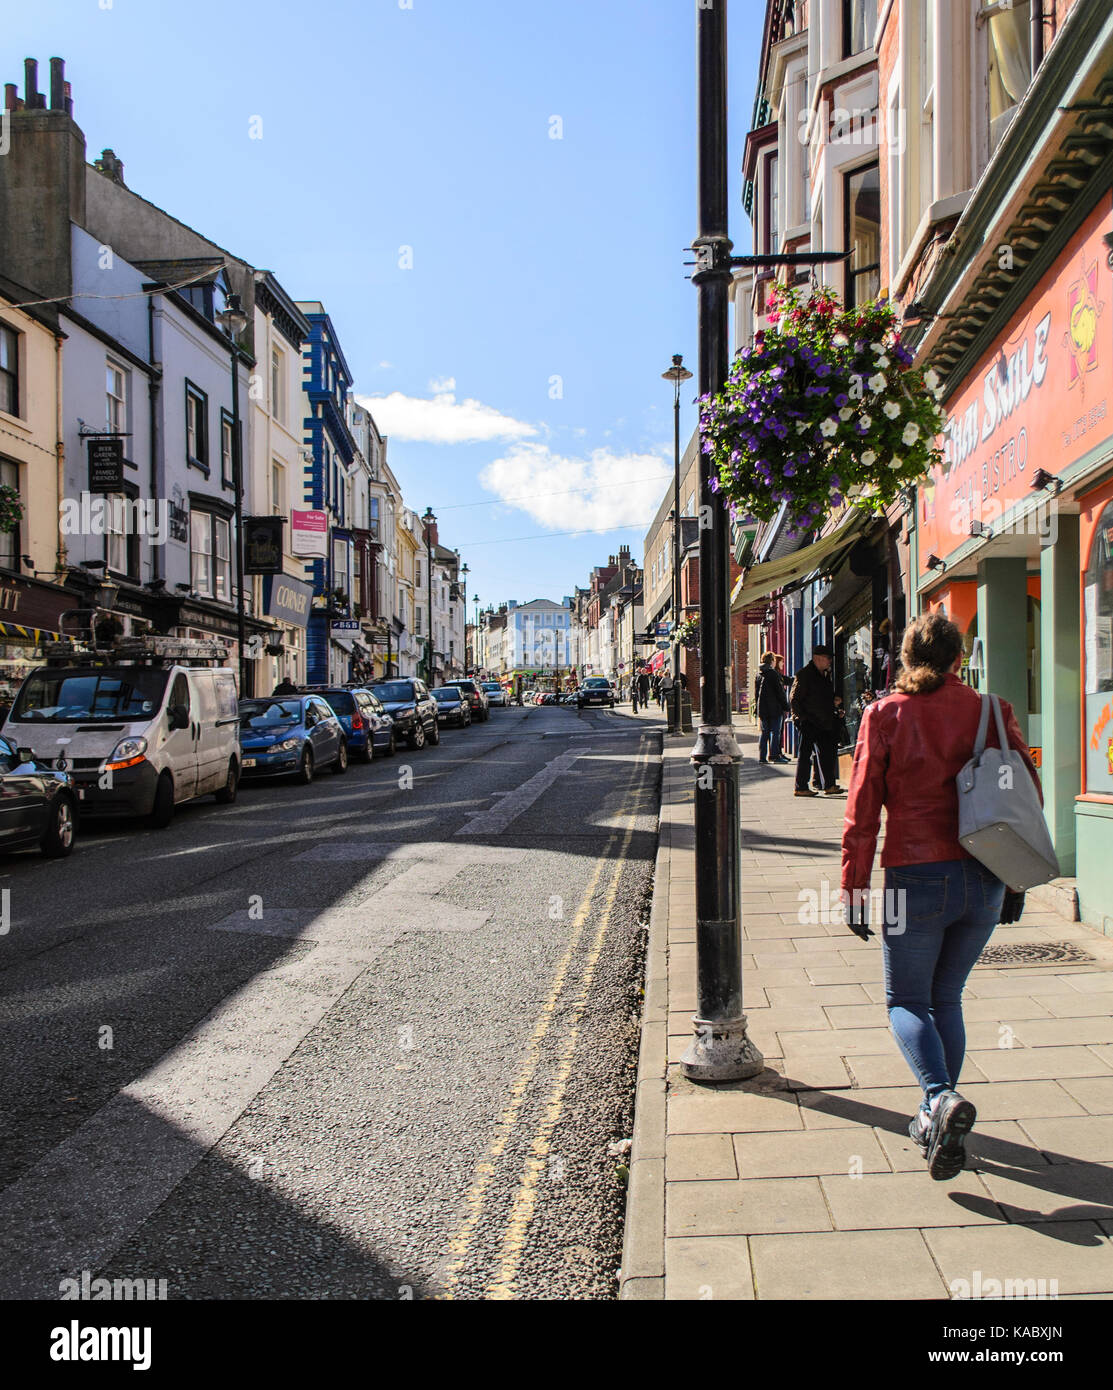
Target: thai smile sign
(1040, 397)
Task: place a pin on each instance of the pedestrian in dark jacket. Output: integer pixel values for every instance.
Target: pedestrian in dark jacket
(941, 905)
(813, 710)
(285, 687)
(772, 706)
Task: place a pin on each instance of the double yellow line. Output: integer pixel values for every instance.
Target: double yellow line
(514, 1236)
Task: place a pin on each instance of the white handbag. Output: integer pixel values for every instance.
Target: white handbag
(1000, 819)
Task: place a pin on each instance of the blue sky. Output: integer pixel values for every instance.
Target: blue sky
(516, 364)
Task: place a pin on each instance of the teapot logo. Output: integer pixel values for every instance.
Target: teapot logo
(1081, 337)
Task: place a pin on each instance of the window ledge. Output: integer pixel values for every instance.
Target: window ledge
(19, 423)
(938, 212)
(201, 467)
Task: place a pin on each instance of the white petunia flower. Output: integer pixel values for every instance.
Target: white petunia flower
(828, 427)
(931, 379)
(869, 457)
(867, 420)
(840, 340)
(911, 433)
(801, 426)
(891, 409)
(882, 361)
(878, 347)
(845, 413)
(895, 463)
(876, 382)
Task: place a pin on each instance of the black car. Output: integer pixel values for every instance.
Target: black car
(453, 706)
(37, 806)
(596, 690)
(412, 708)
(477, 697)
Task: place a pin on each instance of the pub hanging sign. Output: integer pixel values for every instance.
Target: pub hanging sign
(262, 539)
(106, 465)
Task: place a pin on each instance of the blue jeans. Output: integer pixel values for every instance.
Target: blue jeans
(945, 913)
(770, 741)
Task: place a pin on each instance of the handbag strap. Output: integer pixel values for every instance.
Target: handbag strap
(1002, 737)
(983, 728)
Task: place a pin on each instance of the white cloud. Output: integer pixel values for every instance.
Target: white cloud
(441, 386)
(579, 494)
(444, 419)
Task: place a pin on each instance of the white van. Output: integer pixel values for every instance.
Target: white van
(137, 729)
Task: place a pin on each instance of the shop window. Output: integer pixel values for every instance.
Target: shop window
(1097, 637)
(862, 204)
(854, 654)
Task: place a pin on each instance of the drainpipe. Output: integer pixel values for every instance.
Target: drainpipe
(153, 385)
(1037, 35)
(60, 455)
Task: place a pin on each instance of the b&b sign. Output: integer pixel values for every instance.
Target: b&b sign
(106, 465)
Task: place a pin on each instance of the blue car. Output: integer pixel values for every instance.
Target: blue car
(367, 726)
(290, 735)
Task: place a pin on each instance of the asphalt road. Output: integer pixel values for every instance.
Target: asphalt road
(366, 1039)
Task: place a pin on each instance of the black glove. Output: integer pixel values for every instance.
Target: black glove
(858, 916)
(1012, 907)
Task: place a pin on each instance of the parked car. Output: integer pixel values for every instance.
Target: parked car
(477, 698)
(363, 717)
(453, 705)
(412, 708)
(496, 695)
(38, 806)
(291, 735)
(165, 733)
(596, 690)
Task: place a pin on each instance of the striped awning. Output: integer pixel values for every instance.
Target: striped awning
(36, 635)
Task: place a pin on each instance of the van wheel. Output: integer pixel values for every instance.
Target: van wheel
(417, 738)
(341, 763)
(57, 842)
(227, 793)
(162, 812)
(435, 735)
(305, 770)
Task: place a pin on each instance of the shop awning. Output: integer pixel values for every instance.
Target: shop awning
(761, 580)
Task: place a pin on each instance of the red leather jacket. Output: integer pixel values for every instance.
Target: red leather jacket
(910, 749)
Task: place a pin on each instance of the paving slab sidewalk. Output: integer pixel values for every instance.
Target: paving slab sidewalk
(803, 1183)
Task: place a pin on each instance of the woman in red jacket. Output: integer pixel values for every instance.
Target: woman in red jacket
(941, 905)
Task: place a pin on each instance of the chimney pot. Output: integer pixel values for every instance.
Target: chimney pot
(57, 84)
(31, 94)
(11, 100)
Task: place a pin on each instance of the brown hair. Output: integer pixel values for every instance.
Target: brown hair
(766, 657)
(931, 644)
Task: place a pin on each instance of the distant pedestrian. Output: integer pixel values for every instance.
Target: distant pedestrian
(285, 687)
(664, 690)
(941, 905)
(813, 710)
(772, 706)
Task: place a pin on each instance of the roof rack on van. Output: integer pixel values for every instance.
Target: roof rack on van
(146, 651)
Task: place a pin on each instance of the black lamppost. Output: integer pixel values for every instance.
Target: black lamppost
(430, 521)
(464, 572)
(721, 1049)
(676, 374)
(233, 320)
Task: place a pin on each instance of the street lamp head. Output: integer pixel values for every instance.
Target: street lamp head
(677, 372)
(232, 317)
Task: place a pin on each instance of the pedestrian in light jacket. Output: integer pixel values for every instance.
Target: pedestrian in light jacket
(941, 906)
(813, 710)
(772, 706)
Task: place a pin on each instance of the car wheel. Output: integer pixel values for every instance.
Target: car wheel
(392, 746)
(417, 736)
(367, 752)
(435, 735)
(57, 841)
(341, 763)
(305, 769)
(162, 812)
(227, 793)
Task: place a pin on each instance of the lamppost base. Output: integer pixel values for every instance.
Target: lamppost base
(721, 1052)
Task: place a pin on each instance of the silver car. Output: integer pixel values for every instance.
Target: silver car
(496, 695)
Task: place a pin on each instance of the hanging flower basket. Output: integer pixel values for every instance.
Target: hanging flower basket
(11, 509)
(826, 407)
(687, 633)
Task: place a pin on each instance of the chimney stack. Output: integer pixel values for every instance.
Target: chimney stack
(32, 97)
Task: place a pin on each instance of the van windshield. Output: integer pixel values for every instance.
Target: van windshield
(84, 696)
